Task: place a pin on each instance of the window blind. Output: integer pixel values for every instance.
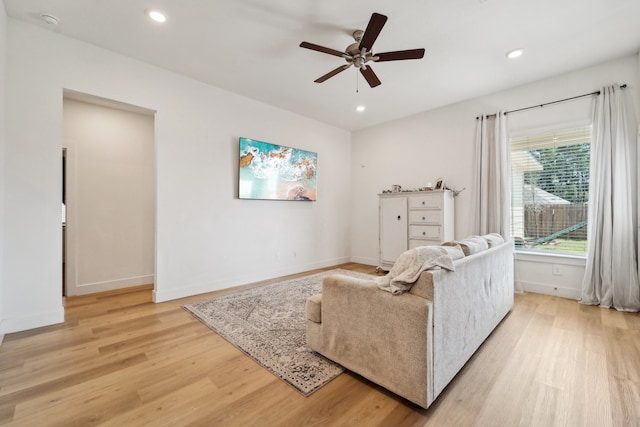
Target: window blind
(550, 190)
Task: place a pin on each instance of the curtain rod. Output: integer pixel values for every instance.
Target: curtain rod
(552, 102)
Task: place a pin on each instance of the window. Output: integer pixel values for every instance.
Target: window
(550, 190)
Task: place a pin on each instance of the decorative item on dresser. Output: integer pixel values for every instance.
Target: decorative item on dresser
(411, 219)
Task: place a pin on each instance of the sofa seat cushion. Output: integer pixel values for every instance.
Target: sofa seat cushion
(314, 308)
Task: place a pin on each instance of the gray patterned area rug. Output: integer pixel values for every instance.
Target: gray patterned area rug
(268, 323)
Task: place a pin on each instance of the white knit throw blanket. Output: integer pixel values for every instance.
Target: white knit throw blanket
(411, 264)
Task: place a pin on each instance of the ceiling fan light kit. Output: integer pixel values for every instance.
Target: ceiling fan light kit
(358, 54)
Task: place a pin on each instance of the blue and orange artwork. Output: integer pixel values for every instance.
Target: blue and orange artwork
(276, 172)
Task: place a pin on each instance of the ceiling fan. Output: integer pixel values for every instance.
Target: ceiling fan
(359, 53)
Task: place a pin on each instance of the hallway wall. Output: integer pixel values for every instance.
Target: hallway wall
(110, 197)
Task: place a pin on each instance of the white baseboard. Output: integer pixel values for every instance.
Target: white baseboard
(365, 260)
(91, 288)
(541, 288)
(18, 324)
(1, 331)
(162, 295)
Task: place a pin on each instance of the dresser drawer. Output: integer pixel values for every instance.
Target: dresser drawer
(425, 217)
(428, 201)
(414, 243)
(424, 232)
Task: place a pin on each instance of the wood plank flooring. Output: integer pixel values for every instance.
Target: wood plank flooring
(121, 360)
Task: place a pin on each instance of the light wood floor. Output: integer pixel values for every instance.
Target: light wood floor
(121, 360)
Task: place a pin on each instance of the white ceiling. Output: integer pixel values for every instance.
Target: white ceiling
(251, 47)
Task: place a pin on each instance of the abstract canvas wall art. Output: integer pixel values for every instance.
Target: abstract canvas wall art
(276, 172)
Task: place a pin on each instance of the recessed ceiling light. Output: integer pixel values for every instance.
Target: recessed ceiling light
(360, 108)
(515, 53)
(156, 15)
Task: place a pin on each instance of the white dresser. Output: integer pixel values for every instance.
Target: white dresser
(411, 219)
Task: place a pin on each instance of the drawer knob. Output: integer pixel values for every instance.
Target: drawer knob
(424, 233)
(423, 218)
(398, 217)
(423, 202)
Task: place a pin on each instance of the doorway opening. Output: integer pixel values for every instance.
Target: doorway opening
(108, 195)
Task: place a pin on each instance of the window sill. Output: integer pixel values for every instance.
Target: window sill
(553, 258)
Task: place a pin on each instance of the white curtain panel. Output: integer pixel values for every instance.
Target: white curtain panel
(611, 273)
(492, 187)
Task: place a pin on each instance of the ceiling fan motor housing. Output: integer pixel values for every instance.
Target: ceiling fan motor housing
(357, 56)
(353, 49)
(361, 52)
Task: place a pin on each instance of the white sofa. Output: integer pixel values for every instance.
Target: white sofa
(413, 344)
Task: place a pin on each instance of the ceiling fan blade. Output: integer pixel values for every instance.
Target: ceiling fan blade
(374, 27)
(322, 49)
(400, 55)
(370, 76)
(332, 73)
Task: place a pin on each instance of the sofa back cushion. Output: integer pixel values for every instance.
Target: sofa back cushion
(471, 245)
(457, 249)
(423, 287)
(493, 239)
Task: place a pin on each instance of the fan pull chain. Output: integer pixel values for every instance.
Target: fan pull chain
(357, 82)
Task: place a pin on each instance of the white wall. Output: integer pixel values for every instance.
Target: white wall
(439, 143)
(110, 197)
(206, 238)
(3, 34)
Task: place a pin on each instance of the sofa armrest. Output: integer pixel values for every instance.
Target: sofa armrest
(383, 337)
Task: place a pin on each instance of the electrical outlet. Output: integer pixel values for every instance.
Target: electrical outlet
(556, 270)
